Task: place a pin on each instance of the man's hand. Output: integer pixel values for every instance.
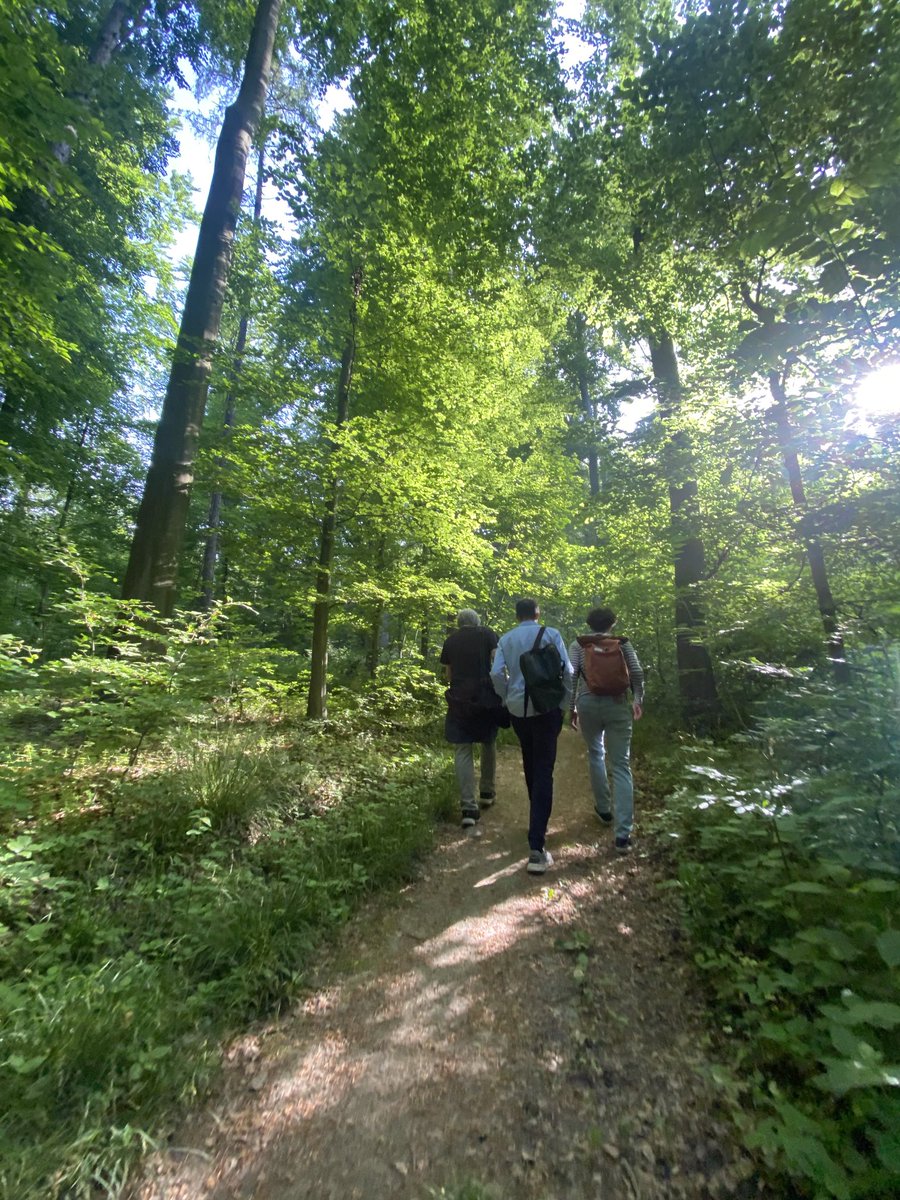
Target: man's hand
(573, 718)
(637, 711)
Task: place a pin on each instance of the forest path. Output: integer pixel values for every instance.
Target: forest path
(454, 1035)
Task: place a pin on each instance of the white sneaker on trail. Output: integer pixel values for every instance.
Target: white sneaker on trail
(539, 861)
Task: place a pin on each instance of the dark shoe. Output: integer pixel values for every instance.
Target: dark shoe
(486, 799)
(623, 845)
(470, 817)
(603, 818)
(539, 861)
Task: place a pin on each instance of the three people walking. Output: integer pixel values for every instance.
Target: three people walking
(529, 674)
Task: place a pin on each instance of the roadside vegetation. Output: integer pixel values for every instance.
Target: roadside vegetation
(175, 845)
(784, 843)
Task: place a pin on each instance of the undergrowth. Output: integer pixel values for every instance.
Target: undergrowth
(174, 844)
(787, 851)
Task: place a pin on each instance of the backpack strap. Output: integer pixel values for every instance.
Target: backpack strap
(537, 642)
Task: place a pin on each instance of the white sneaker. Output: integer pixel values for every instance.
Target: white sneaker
(539, 861)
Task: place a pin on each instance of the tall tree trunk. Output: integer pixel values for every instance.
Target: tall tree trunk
(120, 22)
(216, 500)
(77, 468)
(815, 554)
(590, 409)
(158, 536)
(373, 651)
(122, 19)
(316, 703)
(696, 680)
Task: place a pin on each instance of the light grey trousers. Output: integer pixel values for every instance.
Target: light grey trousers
(606, 725)
(464, 753)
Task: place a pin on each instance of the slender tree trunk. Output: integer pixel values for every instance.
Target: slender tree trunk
(158, 536)
(814, 552)
(374, 647)
(122, 19)
(590, 409)
(216, 500)
(696, 680)
(373, 650)
(63, 517)
(316, 703)
(9, 424)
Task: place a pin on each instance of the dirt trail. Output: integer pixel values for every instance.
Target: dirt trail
(538, 1035)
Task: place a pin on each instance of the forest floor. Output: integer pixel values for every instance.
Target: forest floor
(541, 1036)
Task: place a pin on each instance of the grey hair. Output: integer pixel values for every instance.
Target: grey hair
(467, 616)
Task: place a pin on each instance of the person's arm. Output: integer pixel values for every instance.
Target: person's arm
(568, 675)
(499, 673)
(575, 654)
(636, 679)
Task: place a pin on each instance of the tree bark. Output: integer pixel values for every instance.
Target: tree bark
(159, 533)
(815, 553)
(373, 652)
(317, 698)
(77, 467)
(696, 680)
(122, 19)
(590, 409)
(217, 500)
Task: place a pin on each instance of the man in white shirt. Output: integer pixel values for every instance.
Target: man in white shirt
(537, 732)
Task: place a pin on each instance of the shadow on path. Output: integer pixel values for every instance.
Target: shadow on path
(538, 1035)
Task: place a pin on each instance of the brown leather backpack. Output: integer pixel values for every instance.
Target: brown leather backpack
(603, 664)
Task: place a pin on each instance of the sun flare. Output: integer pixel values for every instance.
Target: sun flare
(879, 393)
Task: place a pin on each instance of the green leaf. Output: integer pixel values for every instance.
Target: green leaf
(835, 941)
(888, 944)
(844, 1075)
(879, 1013)
(25, 1066)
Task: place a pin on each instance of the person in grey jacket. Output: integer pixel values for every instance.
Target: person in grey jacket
(606, 723)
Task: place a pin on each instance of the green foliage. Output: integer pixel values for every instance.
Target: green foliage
(173, 848)
(788, 869)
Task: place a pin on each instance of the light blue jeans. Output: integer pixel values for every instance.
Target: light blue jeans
(605, 725)
(464, 754)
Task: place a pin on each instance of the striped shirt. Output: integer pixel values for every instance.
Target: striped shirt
(635, 670)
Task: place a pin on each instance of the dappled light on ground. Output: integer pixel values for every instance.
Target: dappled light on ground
(530, 1034)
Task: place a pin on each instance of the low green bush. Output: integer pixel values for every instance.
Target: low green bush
(786, 851)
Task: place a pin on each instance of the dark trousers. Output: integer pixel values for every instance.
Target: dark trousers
(538, 737)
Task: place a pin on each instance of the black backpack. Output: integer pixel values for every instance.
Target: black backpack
(542, 668)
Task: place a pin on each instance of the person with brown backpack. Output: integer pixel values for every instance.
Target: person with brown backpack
(606, 668)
